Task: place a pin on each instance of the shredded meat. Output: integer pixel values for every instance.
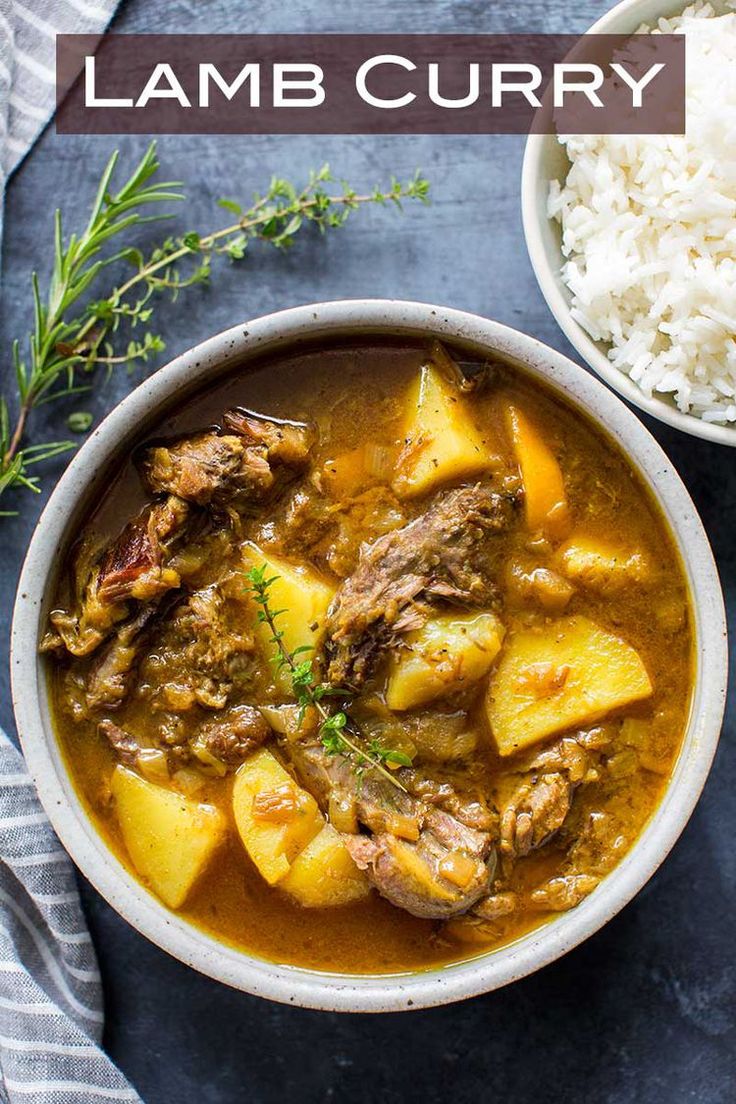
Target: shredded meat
(537, 811)
(233, 735)
(470, 808)
(330, 534)
(285, 442)
(565, 892)
(140, 564)
(199, 653)
(442, 555)
(418, 856)
(109, 679)
(125, 746)
(230, 738)
(134, 566)
(541, 799)
(222, 469)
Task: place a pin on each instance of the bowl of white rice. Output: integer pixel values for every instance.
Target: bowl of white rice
(633, 238)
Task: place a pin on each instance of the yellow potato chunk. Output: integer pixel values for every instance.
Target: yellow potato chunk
(545, 501)
(441, 441)
(449, 652)
(570, 672)
(605, 567)
(274, 816)
(302, 594)
(170, 838)
(324, 875)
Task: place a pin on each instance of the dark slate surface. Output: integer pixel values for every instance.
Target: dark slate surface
(645, 1011)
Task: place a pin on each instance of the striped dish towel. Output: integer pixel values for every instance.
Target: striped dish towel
(28, 30)
(50, 992)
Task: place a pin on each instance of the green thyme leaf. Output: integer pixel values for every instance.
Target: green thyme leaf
(79, 421)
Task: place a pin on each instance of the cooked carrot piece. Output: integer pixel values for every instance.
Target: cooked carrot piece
(545, 500)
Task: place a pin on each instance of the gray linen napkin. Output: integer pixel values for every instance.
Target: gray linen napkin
(50, 992)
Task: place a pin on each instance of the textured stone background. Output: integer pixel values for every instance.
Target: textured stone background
(645, 1011)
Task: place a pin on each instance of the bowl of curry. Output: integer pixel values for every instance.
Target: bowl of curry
(369, 656)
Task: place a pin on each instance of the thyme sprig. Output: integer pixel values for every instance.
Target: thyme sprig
(75, 333)
(337, 731)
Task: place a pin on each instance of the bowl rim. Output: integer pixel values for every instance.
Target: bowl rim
(533, 180)
(217, 356)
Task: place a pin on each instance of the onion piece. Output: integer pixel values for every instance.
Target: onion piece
(208, 760)
(379, 461)
(342, 813)
(153, 764)
(188, 781)
(284, 720)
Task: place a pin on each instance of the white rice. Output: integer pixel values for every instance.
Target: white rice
(649, 233)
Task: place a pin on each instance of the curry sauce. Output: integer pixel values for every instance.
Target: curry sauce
(484, 584)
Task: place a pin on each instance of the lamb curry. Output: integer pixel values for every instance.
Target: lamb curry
(371, 658)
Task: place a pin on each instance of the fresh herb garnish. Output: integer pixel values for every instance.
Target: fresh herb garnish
(80, 421)
(74, 333)
(337, 731)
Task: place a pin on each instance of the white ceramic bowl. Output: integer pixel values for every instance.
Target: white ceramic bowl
(545, 160)
(85, 479)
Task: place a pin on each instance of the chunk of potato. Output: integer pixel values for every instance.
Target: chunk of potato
(324, 875)
(441, 440)
(170, 838)
(570, 672)
(449, 652)
(301, 593)
(545, 501)
(263, 787)
(602, 566)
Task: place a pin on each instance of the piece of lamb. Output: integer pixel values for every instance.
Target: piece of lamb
(233, 735)
(133, 566)
(125, 746)
(419, 857)
(285, 442)
(218, 469)
(443, 555)
(562, 893)
(207, 469)
(201, 653)
(497, 905)
(428, 878)
(108, 681)
(539, 804)
(536, 811)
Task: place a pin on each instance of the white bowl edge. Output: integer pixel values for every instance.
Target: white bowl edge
(321, 990)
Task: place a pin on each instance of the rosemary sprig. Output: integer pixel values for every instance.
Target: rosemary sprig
(336, 731)
(74, 333)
